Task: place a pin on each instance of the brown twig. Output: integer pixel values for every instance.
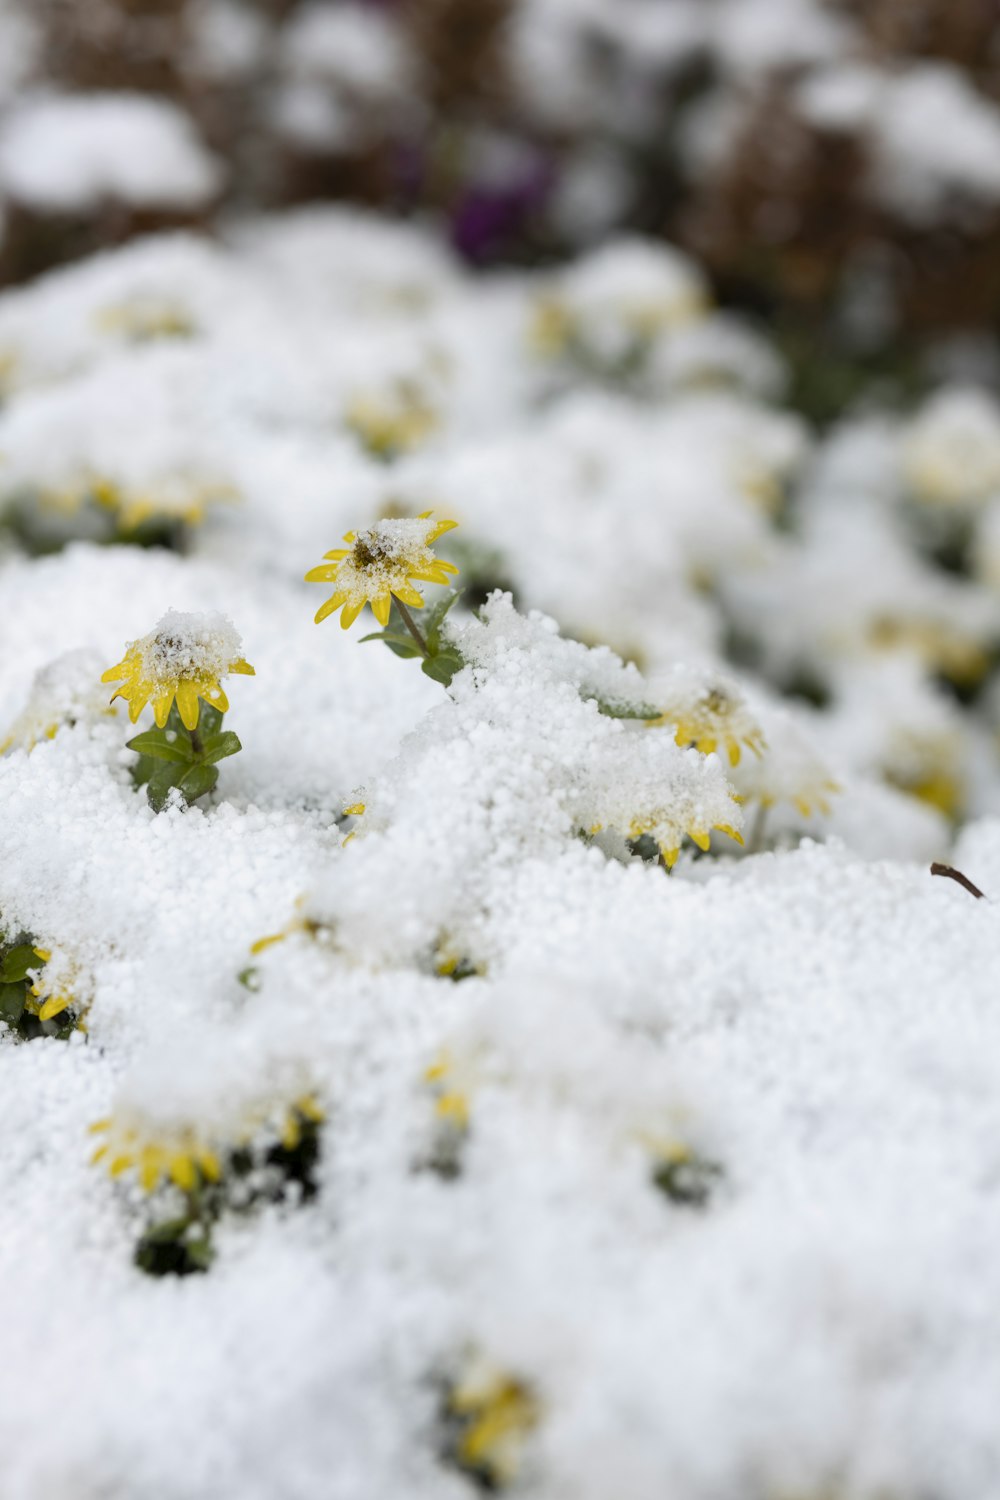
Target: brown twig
(956, 875)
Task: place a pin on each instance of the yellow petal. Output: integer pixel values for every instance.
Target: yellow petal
(703, 840)
(209, 1164)
(321, 575)
(149, 1170)
(187, 704)
(113, 673)
(54, 1006)
(243, 668)
(182, 1171)
(216, 696)
(381, 607)
(161, 708)
(328, 608)
(409, 595)
(268, 942)
(350, 614)
(355, 810)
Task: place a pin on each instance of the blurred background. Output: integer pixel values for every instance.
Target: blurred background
(833, 164)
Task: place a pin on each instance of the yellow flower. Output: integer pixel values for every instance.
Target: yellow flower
(379, 563)
(304, 1111)
(144, 318)
(63, 692)
(451, 1101)
(179, 500)
(299, 923)
(47, 1002)
(702, 837)
(182, 659)
(391, 426)
(496, 1412)
(179, 1156)
(715, 718)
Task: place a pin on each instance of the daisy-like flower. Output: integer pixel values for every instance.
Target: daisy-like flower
(179, 1156)
(63, 692)
(183, 660)
(393, 425)
(792, 771)
(53, 991)
(713, 718)
(494, 1413)
(303, 1113)
(669, 843)
(381, 562)
(451, 1092)
(177, 499)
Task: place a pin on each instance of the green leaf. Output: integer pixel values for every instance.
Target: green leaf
(625, 710)
(433, 618)
(162, 744)
(218, 746)
(402, 645)
(160, 783)
(12, 997)
(209, 720)
(196, 781)
(443, 666)
(17, 962)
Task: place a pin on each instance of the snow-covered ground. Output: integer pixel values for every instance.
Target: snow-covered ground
(650, 1164)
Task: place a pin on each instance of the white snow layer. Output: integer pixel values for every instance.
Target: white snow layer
(818, 1021)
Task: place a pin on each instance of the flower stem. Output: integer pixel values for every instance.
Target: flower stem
(411, 626)
(194, 736)
(756, 840)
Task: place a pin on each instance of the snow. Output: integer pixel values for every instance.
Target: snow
(465, 900)
(62, 154)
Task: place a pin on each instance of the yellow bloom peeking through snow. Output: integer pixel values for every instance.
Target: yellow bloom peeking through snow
(303, 1113)
(492, 1413)
(392, 425)
(670, 849)
(451, 1094)
(177, 1156)
(144, 318)
(183, 659)
(380, 563)
(715, 719)
(64, 692)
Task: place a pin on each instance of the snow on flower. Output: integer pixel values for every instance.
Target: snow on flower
(182, 660)
(382, 563)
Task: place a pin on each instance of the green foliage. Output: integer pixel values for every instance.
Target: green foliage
(626, 710)
(280, 1171)
(688, 1181)
(177, 1247)
(439, 658)
(20, 964)
(176, 757)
